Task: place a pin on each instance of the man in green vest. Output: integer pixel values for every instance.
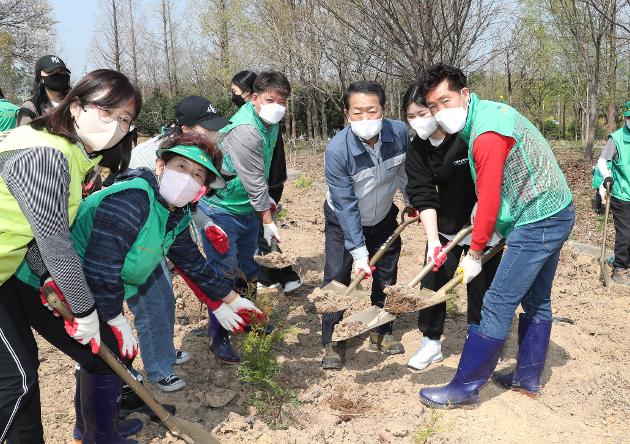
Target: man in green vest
(523, 194)
(8, 114)
(247, 145)
(614, 166)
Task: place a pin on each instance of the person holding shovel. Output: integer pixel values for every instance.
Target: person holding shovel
(441, 188)
(247, 145)
(614, 166)
(364, 165)
(42, 167)
(523, 194)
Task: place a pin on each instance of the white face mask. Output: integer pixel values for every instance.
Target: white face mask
(179, 189)
(452, 120)
(94, 133)
(366, 129)
(435, 142)
(272, 113)
(423, 126)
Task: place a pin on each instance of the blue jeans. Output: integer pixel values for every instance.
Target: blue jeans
(154, 311)
(525, 275)
(242, 231)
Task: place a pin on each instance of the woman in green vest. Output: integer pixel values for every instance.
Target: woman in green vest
(42, 167)
(614, 166)
(523, 194)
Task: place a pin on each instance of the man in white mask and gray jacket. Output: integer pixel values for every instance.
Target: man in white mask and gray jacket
(364, 166)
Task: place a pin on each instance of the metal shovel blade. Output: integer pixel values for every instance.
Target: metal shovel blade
(338, 287)
(361, 322)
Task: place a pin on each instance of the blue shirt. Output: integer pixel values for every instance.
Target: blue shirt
(362, 181)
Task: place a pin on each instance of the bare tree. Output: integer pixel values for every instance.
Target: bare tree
(108, 41)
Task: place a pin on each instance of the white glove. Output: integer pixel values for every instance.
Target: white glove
(363, 264)
(228, 318)
(602, 193)
(127, 343)
(431, 247)
(270, 231)
(86, 330)
(470, 266)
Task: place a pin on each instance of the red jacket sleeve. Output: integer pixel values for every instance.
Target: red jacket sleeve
(490, 151)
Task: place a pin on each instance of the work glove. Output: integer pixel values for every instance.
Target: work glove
(470, 266)
(270, 231)
(85, 331)
(247, 310)
(602, 188)
(217, 237)
(49, 283)
(127, 343)
(412, 213)
(434, 248)
(274, 206)
(608, 180)
(228, 319)
(363, 264)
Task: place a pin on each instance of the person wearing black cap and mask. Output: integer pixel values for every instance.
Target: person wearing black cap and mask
(155, 316)
(51, 84)
(242, 87)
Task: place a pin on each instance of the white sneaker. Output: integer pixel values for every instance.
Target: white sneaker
(171, 383)
(430, 351)
(292, 286)
(182, 356)
(262, 287)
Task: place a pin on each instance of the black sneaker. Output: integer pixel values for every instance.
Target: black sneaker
(182, 356)
(171, 383)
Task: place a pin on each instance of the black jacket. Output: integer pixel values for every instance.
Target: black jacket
(440, 178)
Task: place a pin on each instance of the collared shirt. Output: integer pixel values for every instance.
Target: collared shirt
(362, 180)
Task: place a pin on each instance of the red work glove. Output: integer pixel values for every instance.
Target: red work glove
(363, 264)
(412, 212)
(127, 344)
(274, 206)
(247, 310)
(217, 238)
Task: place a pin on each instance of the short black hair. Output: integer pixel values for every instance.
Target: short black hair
(436, 74)
(412, 95)
(272, 81)
(245, 80)
(365, 87)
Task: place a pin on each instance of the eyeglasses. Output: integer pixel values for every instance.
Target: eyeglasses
(107, 116)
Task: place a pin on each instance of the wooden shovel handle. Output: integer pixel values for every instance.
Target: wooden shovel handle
(381, 251)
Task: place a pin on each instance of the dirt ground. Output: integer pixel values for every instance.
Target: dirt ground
(374, 399)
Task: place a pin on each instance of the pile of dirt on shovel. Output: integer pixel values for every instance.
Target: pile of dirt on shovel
(275, 259)
(402, 299)
(329, 301)
(349, 329)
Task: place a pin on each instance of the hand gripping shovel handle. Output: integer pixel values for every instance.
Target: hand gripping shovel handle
(381, 251)
(110, 359)
(442, 294)
(603, 268)
(461, 234)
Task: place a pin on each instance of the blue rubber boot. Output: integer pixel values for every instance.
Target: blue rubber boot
(221, 345)
(125, 427)
(533, 342)
(99, 400)
(478, 360)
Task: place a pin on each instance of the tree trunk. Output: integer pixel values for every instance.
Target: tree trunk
(592, 119)
(116, 35)
(134, 54)
(324, 118)
(612, 72)
(315, 116)
(166, 47)
(309, 120)
(564, 120)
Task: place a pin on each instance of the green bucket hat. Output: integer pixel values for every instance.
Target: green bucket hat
(196, 155)
(626, 109)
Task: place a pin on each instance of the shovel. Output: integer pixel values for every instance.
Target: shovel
(189, 432)
(374, 316)
(603, 266)
(426, 298)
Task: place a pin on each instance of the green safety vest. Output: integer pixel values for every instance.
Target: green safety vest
(621, 166)
(534, 187)
(233, 198)
(151, 245)
(8, 115)
(15, 230)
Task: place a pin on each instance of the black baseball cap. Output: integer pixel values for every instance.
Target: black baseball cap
(49, 63)
(197, 110)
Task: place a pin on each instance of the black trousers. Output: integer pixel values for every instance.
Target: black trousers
(338, 265)
(621, 215)
(431, 320)
(20, 406)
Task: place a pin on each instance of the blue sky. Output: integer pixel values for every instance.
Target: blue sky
(74, 32)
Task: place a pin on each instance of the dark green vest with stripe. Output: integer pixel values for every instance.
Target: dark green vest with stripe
(534, 187)
(233, 198)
